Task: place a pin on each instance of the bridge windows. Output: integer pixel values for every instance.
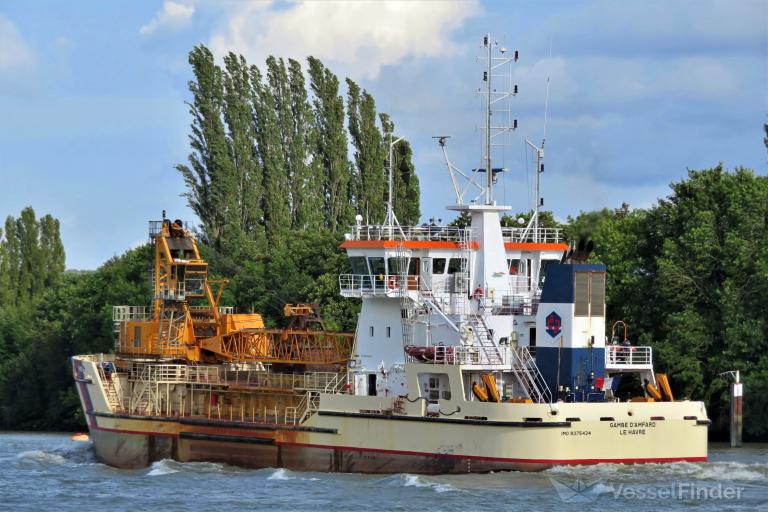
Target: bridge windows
(358, 264)
(397, 265)
(438, 265)
(377, 266)
(456, 265)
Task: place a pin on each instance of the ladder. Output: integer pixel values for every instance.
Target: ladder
(309, 404)
(484, 338)
(529, 377)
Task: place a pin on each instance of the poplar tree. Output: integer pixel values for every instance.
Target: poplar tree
(370, 181)
(209, 176)
(52, 250)
(9, 265)
(269, 143)
(306, 182)
(331, 144)
(245, 230)
(31, 257)
(291, 134)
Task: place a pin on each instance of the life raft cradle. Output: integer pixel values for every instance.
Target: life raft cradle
(663, 392)
(488, 391)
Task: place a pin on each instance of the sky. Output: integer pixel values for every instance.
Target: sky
(93, 116)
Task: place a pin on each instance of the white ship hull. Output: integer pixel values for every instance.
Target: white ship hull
(339, 437)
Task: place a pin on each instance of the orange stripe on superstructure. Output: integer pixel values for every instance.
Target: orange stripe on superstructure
(532, 246)
(407, 244)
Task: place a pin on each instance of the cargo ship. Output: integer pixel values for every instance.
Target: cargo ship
(478, 348)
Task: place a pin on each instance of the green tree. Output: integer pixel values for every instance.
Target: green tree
(245, 231)
(331, 145)
(52, 249)
(369, 153)
(210, 178)
(306, 170)
(31, 257)
(270, 107)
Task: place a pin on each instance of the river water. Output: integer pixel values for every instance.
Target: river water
(52, 472)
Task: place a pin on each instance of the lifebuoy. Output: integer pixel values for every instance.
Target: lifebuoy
(392, 282)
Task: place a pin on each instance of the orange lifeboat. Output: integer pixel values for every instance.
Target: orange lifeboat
(480, 392)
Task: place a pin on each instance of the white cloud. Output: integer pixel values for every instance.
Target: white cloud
(15, 54)
(356, 38)
(173, 15)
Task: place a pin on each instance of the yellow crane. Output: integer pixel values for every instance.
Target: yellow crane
(186, 322)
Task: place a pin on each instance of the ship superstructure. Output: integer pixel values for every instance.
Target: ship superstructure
(477, 348)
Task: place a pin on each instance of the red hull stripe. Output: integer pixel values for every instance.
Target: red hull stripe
(637, 460)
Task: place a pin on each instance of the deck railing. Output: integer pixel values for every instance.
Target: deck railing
(450, 233)
(542, 235)
(620, 356)
(126, 313)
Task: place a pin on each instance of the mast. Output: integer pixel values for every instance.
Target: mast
(469, 187)
(488, 75)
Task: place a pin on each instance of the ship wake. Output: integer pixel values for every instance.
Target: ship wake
(721, 471)
(67, 455)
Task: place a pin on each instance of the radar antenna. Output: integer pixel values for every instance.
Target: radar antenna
(496, 101)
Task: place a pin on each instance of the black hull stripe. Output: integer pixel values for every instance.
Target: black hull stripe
(226, 439)
(491, 423)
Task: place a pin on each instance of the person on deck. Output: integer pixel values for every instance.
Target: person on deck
(478, 296)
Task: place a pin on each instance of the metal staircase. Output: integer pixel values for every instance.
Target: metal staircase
(529, 377)
(110, 390)
(484, 337)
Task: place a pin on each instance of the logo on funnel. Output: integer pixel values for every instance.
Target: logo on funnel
(554, 324)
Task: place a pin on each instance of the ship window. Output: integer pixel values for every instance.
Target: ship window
(397, 265)
(194, 286)
(457, 265)
(377, 266)
(389, 331)
(438, 265)
(371, 330)
(137, 337)
(358, 264)
(446, 395)
(513, 265)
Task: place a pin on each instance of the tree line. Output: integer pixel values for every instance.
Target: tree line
(270, 153)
